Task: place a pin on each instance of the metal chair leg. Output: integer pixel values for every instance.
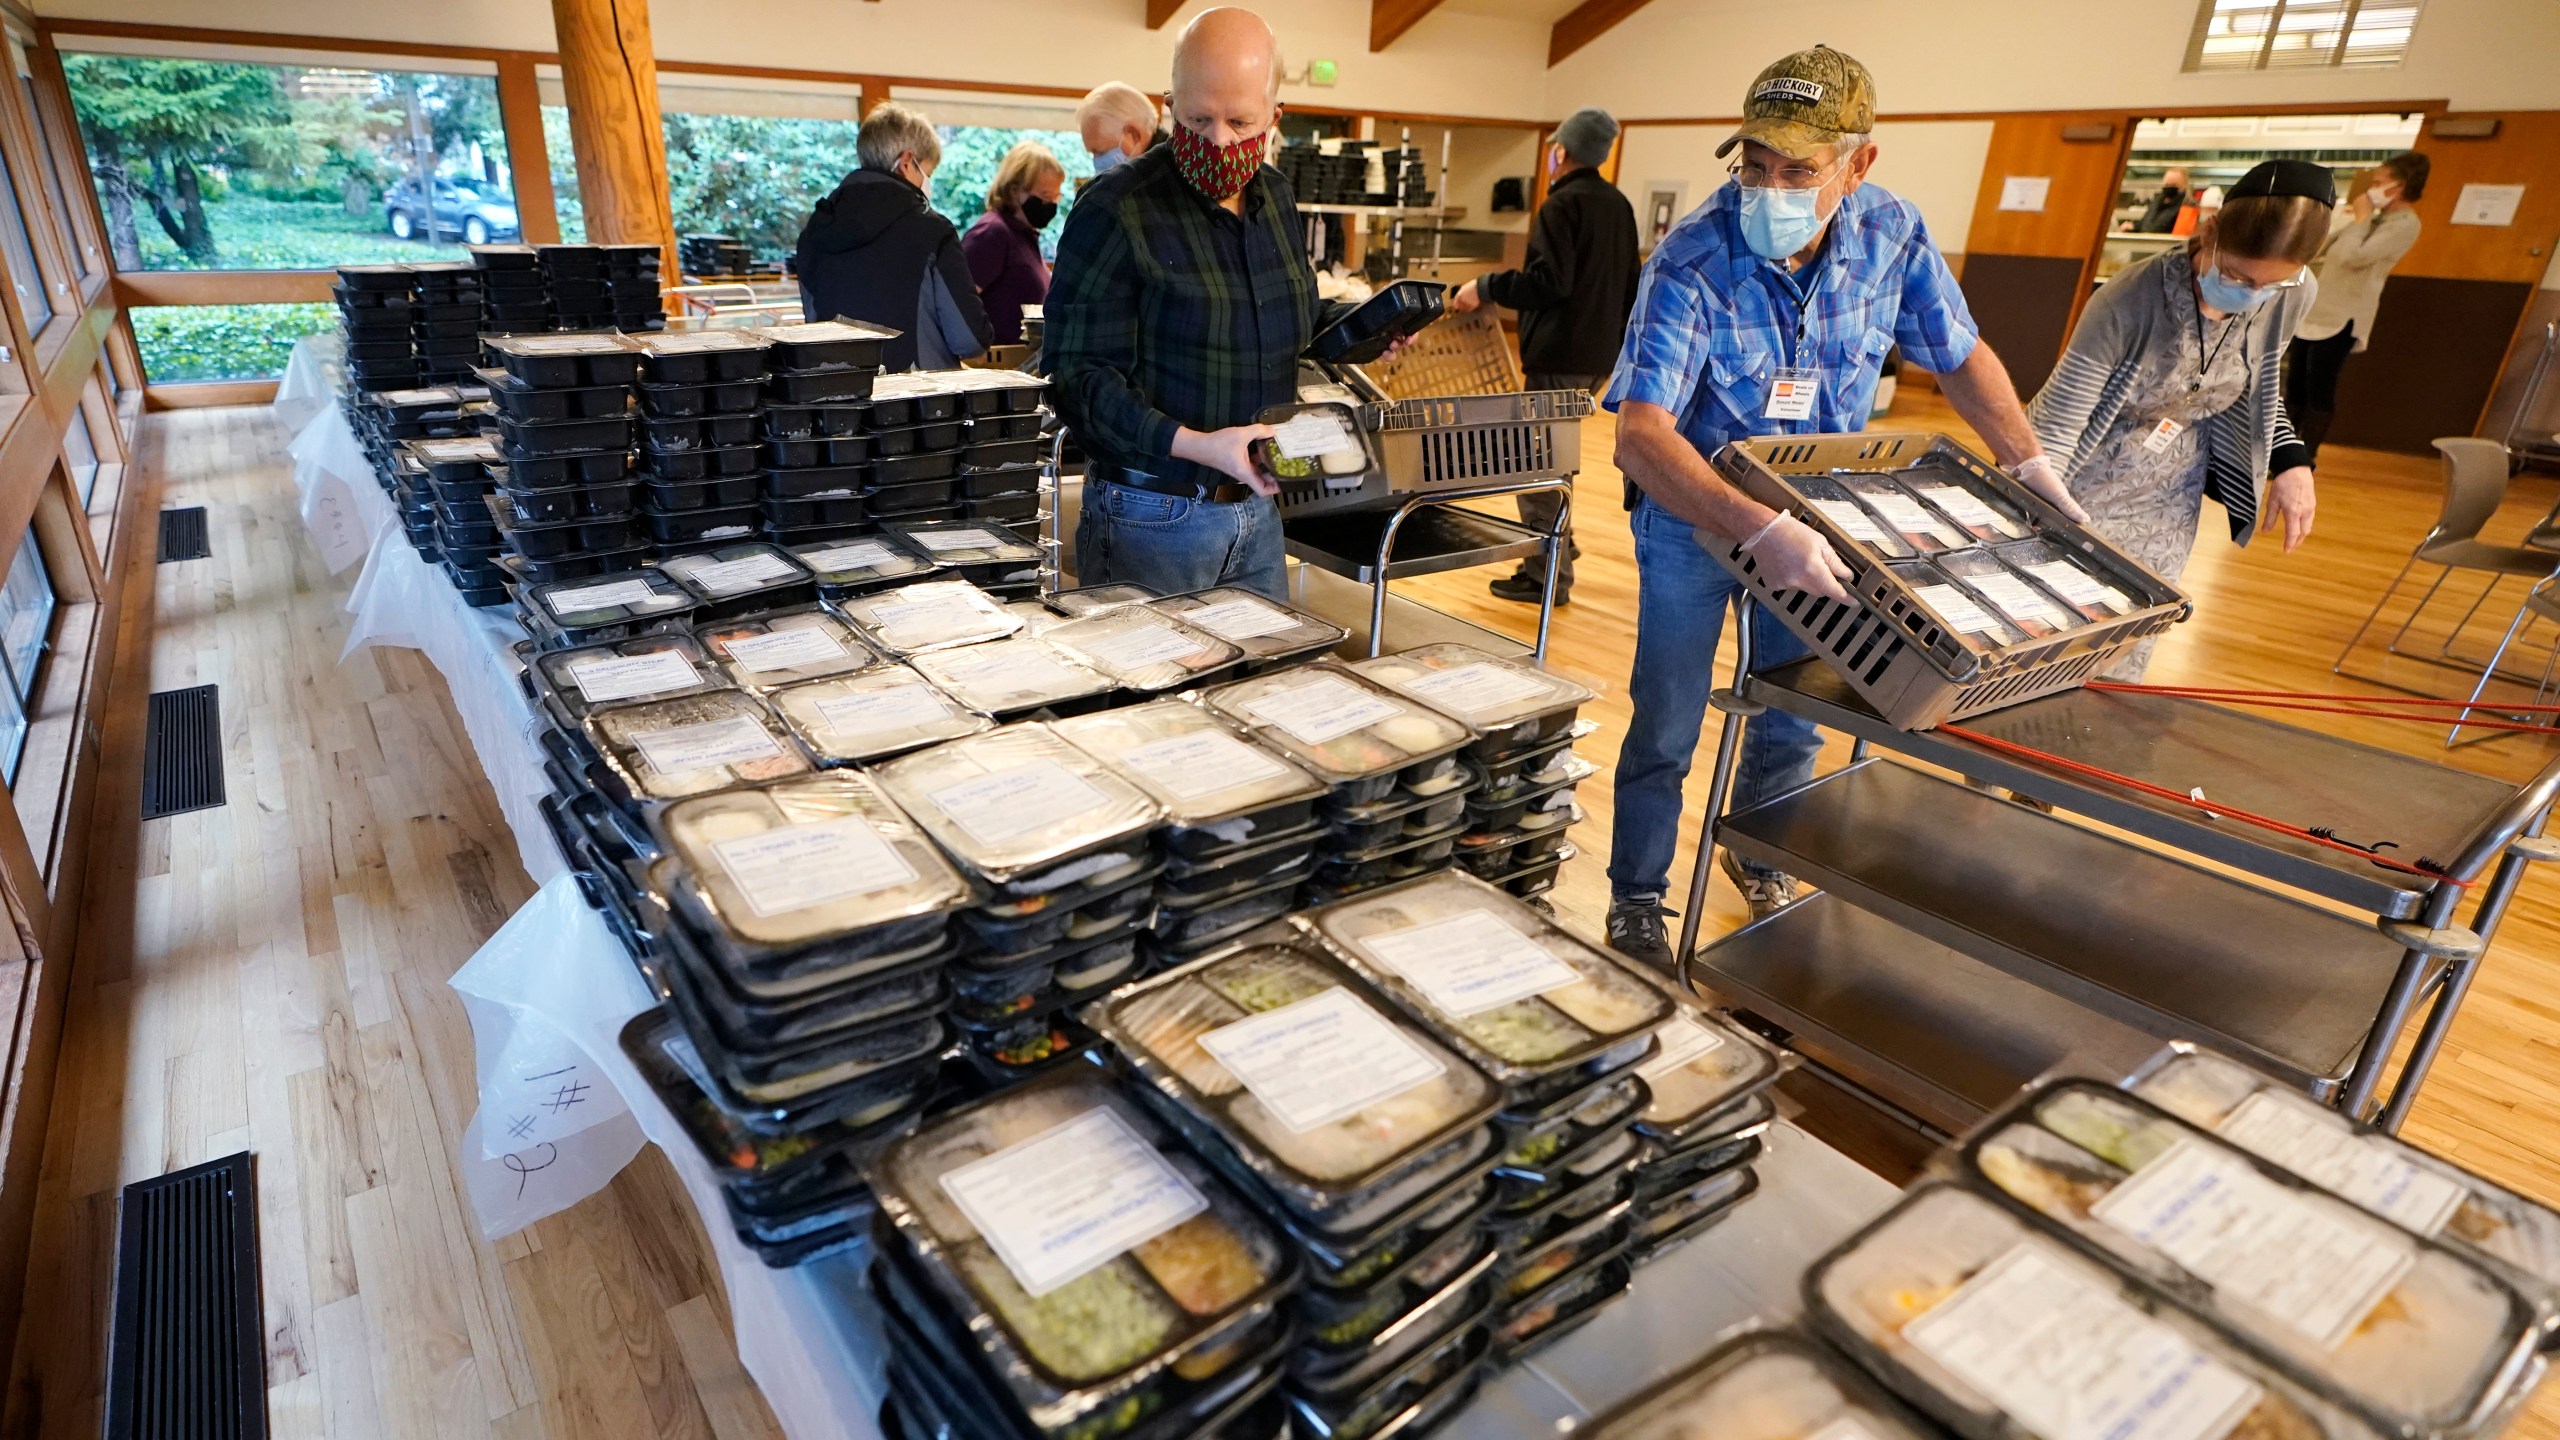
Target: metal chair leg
(2445, 651)
(2488, 672)
(2338, 666)
(2392, 646)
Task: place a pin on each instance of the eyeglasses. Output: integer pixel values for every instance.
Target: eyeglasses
(1755, 176)
(2293, 281)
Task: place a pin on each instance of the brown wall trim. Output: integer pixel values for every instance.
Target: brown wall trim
(224, 287)
(2171, 112)
(209, 392)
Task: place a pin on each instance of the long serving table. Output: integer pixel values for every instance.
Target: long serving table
(552, 989)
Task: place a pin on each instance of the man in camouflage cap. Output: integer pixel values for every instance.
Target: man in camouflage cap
(1768, 310)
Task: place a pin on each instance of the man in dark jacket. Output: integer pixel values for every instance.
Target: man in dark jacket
(876, 251)
(1573, 293)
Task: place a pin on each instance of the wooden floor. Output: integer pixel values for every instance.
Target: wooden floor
(270, 975)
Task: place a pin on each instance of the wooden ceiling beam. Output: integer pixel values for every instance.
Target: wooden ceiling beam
(1389, 19)
(1586, 22)
(1159, 11)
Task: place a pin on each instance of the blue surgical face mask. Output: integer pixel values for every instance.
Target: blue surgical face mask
(1777, 223)
(2229, 296)
(1103, 162)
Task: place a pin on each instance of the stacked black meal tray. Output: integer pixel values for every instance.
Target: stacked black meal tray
(631, 281)
(1342, 177)
(444, 319)
(374, 304)
(577, 284)
(459, 474)
(564, 502)
(387, 423)
(713, 255)
(699, 394)
(511, 296)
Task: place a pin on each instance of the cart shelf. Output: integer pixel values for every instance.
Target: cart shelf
(1432, 538)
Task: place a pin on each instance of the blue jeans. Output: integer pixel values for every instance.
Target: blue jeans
(1682, 594)
(1172, 545)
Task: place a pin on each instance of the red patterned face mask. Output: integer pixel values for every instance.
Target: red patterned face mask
(1216, 171)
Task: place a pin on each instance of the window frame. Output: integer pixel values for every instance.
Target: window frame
(2266, 61)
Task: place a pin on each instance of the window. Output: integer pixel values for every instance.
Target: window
(970, 155)
(228, 165)
(25, 276)
(49, 160)
(754, 176)
(2298, 34)
(80, 452)
(222, 342)
(564, 174)
(26, 617)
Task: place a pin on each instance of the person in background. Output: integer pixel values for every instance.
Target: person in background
(877, 250)
(1118, 124)
(1004, 246)
(2169, 391)
(1797, 270)
(2171, 197)
(1572, 290)
(2365, 241)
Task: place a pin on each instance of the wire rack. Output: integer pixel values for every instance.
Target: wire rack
(1461, 355)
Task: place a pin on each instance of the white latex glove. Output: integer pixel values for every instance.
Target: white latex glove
(2037, 474)
(1794, 556)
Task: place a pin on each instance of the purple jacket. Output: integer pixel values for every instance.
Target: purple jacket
(1004, 258)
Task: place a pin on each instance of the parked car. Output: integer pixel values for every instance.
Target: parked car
(459, 210)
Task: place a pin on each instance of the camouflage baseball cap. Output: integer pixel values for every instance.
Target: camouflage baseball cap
(1805, 102)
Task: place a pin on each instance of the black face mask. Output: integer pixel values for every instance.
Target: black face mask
(1037, 213)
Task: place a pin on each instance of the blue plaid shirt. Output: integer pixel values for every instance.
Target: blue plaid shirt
(1708, 310)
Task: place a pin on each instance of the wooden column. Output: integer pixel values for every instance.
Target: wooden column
(610, 79)
(520, 111)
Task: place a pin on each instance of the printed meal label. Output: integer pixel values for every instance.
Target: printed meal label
(620, 677)
(871, 712)
(1071, 1198)
(1910, 517)
(1311, 433)
(1008, 669)
(1478, 689)
(1202, 763)
(2313, 1268)
(1317, 1060)
(943, 542)
(1969, 509)
(1470, 962)
(860, 555)
(2080, 587)
(1853, 521)
(1320, 708)
(734, 741)
(786, 649)
(1140, 646)
(1683, 1040)
(2021, 601)
(729, 576)
(444, 452)
(1241, 619)
(692, 342)
(2363, 1168)
(600, 597)
(1016, 801)
(791, 869)
(1957, 609)
(2072, 1361)
(935, 615)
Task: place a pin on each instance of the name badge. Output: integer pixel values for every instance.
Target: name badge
(2160, 436)
(1792, 393)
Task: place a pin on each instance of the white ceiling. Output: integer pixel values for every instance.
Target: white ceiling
(1541, 12)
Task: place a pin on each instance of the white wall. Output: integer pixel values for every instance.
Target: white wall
(1478, 156)
(1934, 164)
(1695, 57)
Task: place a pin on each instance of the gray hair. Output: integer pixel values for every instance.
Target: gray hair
(894, 130)
(1117, 103)
(1586, 135)
(1851, 142)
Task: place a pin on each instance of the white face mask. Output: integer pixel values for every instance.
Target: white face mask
(2381, 195)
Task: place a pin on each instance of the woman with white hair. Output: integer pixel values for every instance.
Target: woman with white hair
(877, 250)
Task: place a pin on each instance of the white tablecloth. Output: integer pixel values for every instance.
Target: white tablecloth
(311, 376)
(343, 505)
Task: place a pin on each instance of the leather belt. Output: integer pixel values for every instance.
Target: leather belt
(1225, 493)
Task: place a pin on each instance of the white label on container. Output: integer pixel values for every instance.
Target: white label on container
(942, 542)
(1470, 962)
(1016, 801)
(2021, 600)
(733, 741)
(860, 555)
(1317, 1060)
(1969, 509)
(2080, 587)
(600, 597)
(800, 866)
(870, 712)
(1320, 708)
(1241, 619)
(934, 615)
(1311, 433)
(2311, 1267)
(620, 677)
(1472, 690)
(1908, 516)
(1072, 1198)
(2365, 1169)
(2069, 1360)
(1007, 668)
(786, 649)
(1853, 522)
(1204, 762)
(1683, 1040)
(1140, 646)
(731, 576)
(1957, 609)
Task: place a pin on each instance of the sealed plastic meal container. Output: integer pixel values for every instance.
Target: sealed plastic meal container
(2381, 1173)
(611, 608)
(822, 343)
(1142, 650)
(918, 398)
(743, 1020)
(1269, 633)
(1953, 1302)
(741, 578)
(698, 357)
(521, 402)
(1014, 676)
(1094, 599)
(565, 361)
(999, 392)
(1561, 1308)
(1786, 1386)
(568, 536)
(529, 440)
(862, 1075)
(1462, 1305)
(455, 459)
(1222, 794)
(2025, 603)
(1701, 1068)
(1353, 735)
(668, 749)
(1337, 1107)
(1014, 802)
(622, 672)
(661, 434)
(1668, 1223)
(1539, 1010)
(930, 615)
(1095, 1272)
(1513, 704)
(766, 652)
(2420, 1339)
(593, 467)
(2085, 582)
(1957, 610)
(872, 714)
(748, 1161)
(1407, 1400)
(852, 567)
(700, 462)
(979, 551)
(1918, 526)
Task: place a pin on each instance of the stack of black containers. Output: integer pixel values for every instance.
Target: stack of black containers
(458, 478)
(631, 280)
(511, 301)
(824, 429)
(713, 255)
(563, 500)
(444, 319)
(374, 302)
(578, 284)
(699, 392)
(387, 424)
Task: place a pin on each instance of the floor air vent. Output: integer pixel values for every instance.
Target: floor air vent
(187, 1358)
(182, 752)
(183, 535)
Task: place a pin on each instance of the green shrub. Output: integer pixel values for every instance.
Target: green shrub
(223, 342)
